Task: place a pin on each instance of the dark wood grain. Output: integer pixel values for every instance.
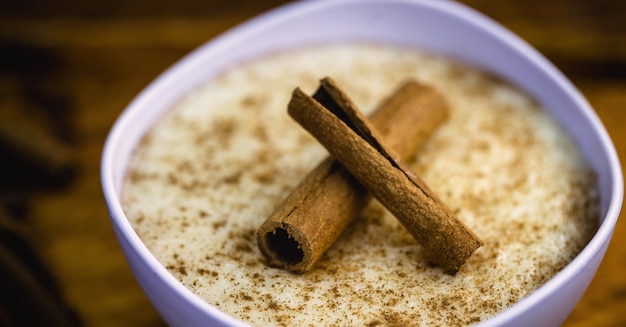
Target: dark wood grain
(72, 66)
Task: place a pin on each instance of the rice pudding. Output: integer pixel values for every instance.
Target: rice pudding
(211, 170)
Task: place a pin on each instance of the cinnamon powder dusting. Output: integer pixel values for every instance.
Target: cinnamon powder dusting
(210, 171)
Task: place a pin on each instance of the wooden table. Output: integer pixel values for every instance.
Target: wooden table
(73, 66)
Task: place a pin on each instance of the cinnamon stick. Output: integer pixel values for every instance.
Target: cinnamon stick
(331, 117)
(311, 218)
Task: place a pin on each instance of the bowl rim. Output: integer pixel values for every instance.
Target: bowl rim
(115, 139)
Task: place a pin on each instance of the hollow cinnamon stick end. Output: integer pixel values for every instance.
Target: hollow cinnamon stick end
(284, 246)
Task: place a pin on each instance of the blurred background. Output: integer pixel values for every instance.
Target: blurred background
(67, 70)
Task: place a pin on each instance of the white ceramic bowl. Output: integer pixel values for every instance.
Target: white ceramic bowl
(438, 26)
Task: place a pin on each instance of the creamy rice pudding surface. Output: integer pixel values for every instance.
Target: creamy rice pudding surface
(208, 174)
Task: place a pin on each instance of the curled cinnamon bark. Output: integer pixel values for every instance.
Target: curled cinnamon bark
(331, 117)
(310, 219)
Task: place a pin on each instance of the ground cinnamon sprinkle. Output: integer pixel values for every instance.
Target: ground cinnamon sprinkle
(203, 181)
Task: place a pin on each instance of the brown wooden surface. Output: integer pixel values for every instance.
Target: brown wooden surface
(72, 66)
